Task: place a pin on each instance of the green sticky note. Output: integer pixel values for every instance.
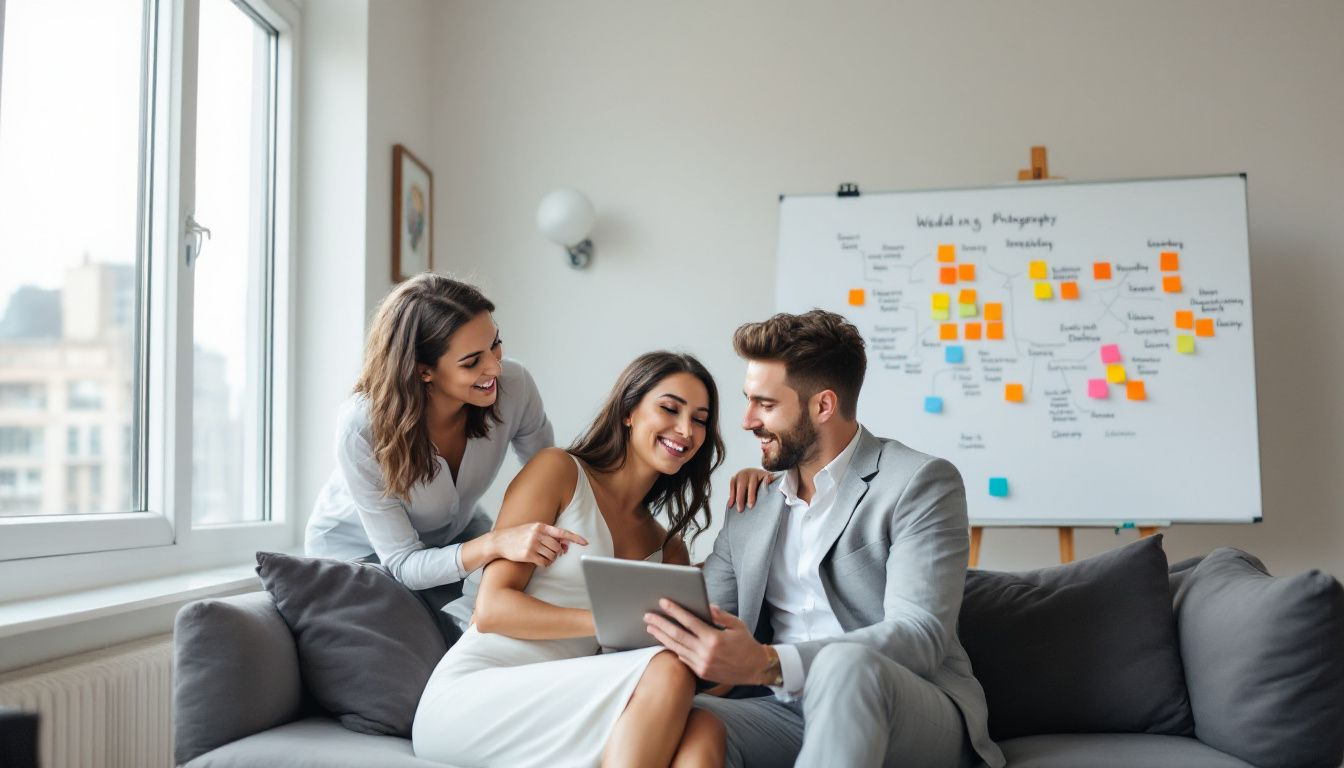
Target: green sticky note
(967, 310)
(1185, 344)
(941, 315)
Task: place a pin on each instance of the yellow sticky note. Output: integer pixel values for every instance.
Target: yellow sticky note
(941, 315)
(947, 252)
(1115, 373)
(856, 297)
(1185, 344)
(1036, 270)
(993, 311)
(1134, 390)
(967, 310)
(941, 301)
(965, 271)
(1204, 326)
(947, 331)
(1013, 393)
(1044, 291)
(1185, 319)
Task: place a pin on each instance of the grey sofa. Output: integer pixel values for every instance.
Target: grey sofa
(240, 701)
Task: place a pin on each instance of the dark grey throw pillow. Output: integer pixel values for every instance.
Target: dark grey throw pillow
(366, 644)
(1088, 647)
(1263, 661)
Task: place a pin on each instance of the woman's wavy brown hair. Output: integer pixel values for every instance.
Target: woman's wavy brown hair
(604, 444)
(412, 328)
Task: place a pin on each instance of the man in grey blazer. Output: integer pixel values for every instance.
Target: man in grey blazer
(840, 588)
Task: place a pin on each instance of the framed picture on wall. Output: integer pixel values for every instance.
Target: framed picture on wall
(412, 215)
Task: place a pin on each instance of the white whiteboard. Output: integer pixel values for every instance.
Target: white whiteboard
(1187, 452)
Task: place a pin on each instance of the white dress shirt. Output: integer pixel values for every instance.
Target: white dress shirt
(352, 517)
(800, 610)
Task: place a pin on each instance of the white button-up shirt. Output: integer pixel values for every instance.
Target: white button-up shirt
(794, 591)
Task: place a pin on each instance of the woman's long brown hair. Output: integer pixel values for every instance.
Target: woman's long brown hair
(603, 445)
(413, 326)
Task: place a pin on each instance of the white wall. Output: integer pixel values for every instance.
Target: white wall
(332, 195)
(684, 121)
(399, 113)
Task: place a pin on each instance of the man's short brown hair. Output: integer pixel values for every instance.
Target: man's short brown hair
(819, 349)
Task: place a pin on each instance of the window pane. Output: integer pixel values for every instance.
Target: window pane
(231, 302)
(70, 141)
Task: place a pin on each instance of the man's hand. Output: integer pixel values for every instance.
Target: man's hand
(729, 655)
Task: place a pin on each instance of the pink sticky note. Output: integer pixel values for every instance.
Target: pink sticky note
(1097, 389)
(1110, 353)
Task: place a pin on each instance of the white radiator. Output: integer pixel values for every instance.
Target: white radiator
(106, 709)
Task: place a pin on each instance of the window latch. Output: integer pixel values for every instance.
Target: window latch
(192, 241)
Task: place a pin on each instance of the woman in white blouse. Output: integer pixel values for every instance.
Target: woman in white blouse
(422, 438)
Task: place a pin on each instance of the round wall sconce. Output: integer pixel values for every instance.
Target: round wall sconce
(565, 217)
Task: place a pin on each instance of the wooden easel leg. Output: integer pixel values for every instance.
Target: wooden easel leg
(976, 533)
(1147, 530)
(1066, 545)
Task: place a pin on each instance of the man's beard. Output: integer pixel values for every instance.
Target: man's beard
(793, 446)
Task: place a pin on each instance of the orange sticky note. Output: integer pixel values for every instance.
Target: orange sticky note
(994, 331)
(1171, 283)
(1134, 390)
(1068, 291)
(1185, 319)
(1204, 326)
(1013, 393)
(1101, 270)
(856, 297)
(947, 275)
(1036, 270)
(972, 331)
(993, 310)
(967, 296)
(947, 252)
(966, 271)
(1171, 261)
(947, 331)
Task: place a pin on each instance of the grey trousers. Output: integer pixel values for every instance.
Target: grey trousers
(859, 709)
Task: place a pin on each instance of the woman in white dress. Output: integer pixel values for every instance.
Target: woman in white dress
(527, 685)
(422, 438)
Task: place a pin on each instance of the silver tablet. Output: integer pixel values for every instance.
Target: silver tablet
(622, 591)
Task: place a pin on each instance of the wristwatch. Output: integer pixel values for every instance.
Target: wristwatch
(774, 673)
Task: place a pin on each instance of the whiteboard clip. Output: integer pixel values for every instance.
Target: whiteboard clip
(848, 189)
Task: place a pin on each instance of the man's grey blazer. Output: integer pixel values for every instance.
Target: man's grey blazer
(894, 569)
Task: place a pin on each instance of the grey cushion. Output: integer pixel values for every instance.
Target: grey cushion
(1177, 573)
(314, 743)
(235, 672)
(1114, 750)
(366, 645)
(1088, 647)
(1264, 661)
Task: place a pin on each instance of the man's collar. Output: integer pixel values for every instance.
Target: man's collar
(832, 472)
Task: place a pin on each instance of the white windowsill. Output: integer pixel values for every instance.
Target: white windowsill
(42, 629)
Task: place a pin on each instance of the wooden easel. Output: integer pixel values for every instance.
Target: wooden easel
(1039, 171)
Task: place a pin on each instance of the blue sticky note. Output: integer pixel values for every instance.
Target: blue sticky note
(998, 486)
(954, 353)
(933, 404)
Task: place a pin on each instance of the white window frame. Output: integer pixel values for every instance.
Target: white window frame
(55, 553)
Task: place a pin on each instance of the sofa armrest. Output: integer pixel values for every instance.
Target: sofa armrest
(236, 672)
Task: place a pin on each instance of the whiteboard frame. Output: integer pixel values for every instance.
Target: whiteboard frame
(1255, 384)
